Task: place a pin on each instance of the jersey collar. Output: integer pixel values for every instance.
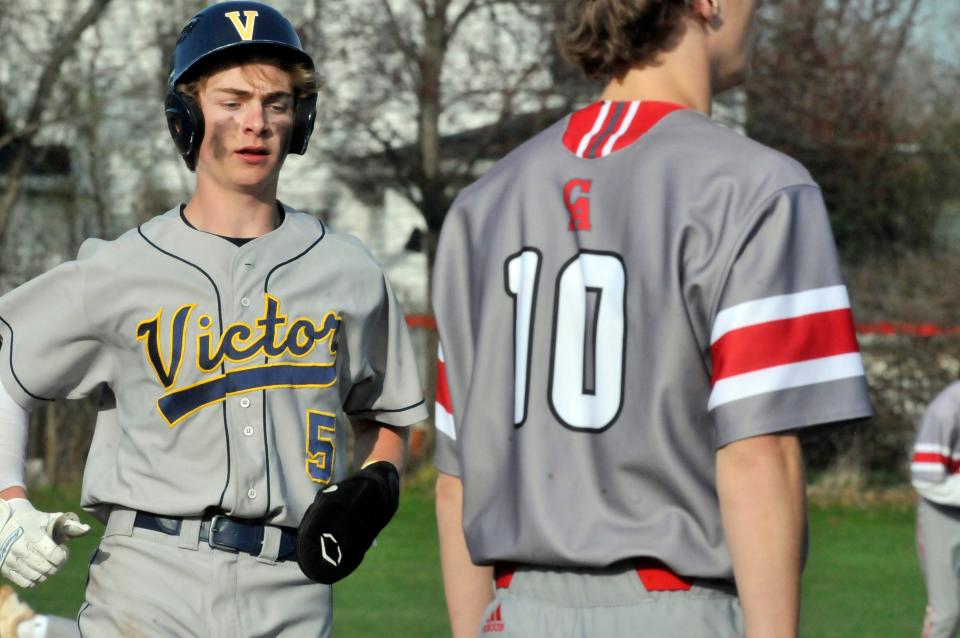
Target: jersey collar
(606, 127)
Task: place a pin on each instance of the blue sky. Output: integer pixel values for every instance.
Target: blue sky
(938, 29)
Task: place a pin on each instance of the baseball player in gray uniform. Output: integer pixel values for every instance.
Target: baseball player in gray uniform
(229, 337)
(638, 309)
(935, 473)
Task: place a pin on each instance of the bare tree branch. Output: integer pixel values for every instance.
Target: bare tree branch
(404, 45)
(39, 102)
(459, 18)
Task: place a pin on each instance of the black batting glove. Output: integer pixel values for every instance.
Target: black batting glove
(340, 525)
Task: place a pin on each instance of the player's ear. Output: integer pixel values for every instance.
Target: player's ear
(707, 10)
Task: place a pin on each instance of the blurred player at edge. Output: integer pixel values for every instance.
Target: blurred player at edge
(638, 311)
(230, 336)
(935, 473)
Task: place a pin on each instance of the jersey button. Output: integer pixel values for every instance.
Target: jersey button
(248, 431)
(251, 493)
(245, 302)
(244, 402)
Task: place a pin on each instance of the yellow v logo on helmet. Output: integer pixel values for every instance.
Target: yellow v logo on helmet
(246, 29)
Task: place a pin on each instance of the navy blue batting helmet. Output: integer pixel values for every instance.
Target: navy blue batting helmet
(216, 33)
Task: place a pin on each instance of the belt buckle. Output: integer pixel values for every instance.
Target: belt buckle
(211, 537)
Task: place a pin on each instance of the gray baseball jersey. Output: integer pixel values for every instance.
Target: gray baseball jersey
(935, 463)
(623, 294)
(230, 365)
(935, 473)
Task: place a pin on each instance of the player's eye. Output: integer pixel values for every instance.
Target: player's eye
(230, 105)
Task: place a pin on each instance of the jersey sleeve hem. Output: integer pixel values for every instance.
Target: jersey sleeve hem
(8, 375)
(729, 434)
(946, 493)
(446, 468)
(399, 417)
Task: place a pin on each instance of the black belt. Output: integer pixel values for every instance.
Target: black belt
(223, 532)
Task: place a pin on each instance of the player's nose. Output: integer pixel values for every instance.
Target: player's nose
(255, 118)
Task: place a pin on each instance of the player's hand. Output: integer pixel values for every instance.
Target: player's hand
(31, 541)
(343, 520)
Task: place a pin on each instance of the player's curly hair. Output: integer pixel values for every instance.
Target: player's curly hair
(605, 38)
(305, 79)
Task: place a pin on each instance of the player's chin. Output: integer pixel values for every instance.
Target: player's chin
(253, 184)
(246, 173)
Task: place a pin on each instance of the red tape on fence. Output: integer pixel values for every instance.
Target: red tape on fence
(428, 322)
(908, 329)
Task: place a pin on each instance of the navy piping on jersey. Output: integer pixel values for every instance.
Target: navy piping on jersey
(412, 405)
(236, 241)
(14, 372)
(266, 290)
(241, 241)
(223, 369)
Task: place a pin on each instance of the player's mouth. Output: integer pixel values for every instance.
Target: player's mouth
(253, 154)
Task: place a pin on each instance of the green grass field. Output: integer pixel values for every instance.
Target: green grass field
(861, 581)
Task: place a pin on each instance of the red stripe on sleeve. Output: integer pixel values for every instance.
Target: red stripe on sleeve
(581, 123)
(774, 343)
(952, 465)
(443, 391)
(649, 114)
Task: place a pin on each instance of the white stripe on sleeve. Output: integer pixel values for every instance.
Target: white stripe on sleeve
(443, 421)
(778, 307)
(791, 375)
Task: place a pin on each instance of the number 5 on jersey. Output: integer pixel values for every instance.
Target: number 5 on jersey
(321, 445)
(588, 340)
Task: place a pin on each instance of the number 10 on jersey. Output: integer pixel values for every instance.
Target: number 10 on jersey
(587, 342)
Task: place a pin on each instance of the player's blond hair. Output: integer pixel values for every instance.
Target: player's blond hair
(305, 80)
(605, 38)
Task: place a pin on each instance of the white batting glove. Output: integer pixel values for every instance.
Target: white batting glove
(31, 541)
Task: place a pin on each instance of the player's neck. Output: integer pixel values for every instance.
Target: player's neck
(232, 213)
(681, 75)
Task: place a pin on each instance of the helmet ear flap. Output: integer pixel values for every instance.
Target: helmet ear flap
(185, 121)
(303, 119)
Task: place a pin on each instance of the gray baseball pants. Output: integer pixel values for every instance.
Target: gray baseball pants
(613, 603)
(147, 583)
(938, 547)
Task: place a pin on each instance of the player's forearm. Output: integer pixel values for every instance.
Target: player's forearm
(377, 442)
(468, 588)
(761, 486)
(13, 446)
